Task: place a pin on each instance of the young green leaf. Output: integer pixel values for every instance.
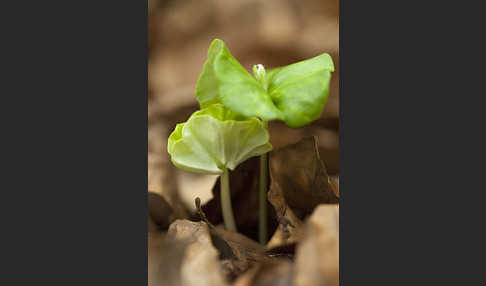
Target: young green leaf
(301, 90)
(295, 94)
(216, 138)
(224, 80)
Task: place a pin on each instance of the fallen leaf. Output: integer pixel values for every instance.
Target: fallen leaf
(317, 255)
(165, 257)
(237, 252)
(299, 182)
(299, 179)
(200, 265)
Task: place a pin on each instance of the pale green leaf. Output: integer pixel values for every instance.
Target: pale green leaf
(212, 140)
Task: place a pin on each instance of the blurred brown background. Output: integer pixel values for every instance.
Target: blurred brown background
(270, 32)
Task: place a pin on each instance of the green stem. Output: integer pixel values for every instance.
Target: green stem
(262, 214)
(228, 218)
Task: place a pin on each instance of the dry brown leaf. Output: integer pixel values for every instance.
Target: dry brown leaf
(200, 265)
(239, 253)
(165, 258)
(317, 255)
(299, 182)
(299, 179)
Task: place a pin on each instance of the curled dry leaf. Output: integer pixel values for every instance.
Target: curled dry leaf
(317, 255)
(237, 251)
(199, 264)
(299, 182)
(299, 178)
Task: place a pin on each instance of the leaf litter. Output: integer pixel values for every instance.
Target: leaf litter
(304, 220)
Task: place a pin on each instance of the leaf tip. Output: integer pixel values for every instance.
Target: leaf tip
(328, 58)
(215, 46)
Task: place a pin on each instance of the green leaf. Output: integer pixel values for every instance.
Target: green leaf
(300, 90)
(224, 80)
(220, 112)
(207, 88)
(296, 93)
(214, 139)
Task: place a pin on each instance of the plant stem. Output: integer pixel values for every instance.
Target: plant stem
(262, 214)
(228, 218)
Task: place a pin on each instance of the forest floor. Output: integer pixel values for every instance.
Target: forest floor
(187, 244)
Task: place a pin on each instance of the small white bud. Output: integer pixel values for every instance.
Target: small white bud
(260, 69)
(259, 72)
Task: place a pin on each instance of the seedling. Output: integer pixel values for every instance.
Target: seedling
(295, 94)
(215, 140)
(235, 108)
